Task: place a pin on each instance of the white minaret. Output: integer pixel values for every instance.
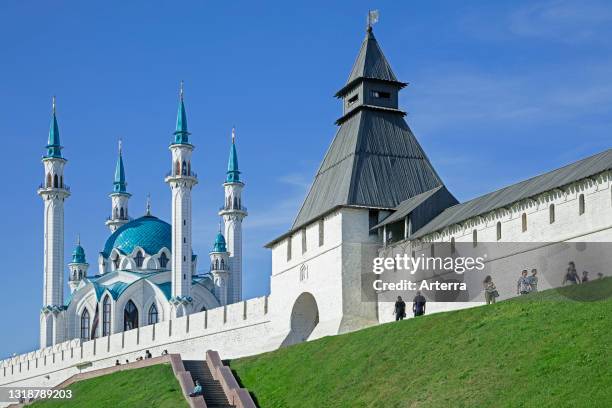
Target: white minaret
(233, 212)
(53, 192)
(220, 269)
(181, 180)
(119, 197)
(78, 267)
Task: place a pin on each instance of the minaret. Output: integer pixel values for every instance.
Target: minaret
(219, 268)
(53, 192)
(233, 212)
(181, 180)
(119, 197)
(78, 267)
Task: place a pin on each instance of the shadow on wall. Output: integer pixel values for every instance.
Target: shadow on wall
(304, 319)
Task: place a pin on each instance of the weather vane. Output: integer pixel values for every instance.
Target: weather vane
(372, 18)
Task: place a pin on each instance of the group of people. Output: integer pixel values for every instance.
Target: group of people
(527, 283)
(418, 306)
(146, 356)
(571, 276)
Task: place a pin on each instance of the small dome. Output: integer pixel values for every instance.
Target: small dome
(219, 243)
(148, 232)
(78, 255)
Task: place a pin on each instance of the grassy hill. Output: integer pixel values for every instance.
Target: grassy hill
(550, 349)
(147, 387)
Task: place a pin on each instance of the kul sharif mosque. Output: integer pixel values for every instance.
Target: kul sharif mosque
(146, 271)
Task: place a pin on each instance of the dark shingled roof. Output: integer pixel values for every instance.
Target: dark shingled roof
(374, 161)
(501, 198)
(371, 64)
(406, 207)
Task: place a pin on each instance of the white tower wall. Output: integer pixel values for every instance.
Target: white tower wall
(233, 213)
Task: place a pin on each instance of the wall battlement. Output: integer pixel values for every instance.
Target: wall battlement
(236, 330)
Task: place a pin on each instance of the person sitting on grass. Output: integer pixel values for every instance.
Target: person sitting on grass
(197, 390)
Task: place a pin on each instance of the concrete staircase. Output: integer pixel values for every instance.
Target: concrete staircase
(213, 391)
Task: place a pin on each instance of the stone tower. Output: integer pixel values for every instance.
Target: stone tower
(233, 212)
(53, 192)
(219, 268)
(119, 197)
(78, 267)
(181, 180)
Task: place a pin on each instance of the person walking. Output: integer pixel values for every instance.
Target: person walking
(585, 276)
(523, 286)
(400, 309)
(571, 276)
(490, 290)
(418, 304)
(534, 280)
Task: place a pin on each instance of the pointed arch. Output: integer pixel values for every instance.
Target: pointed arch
(177, 168)
(153, 314)
(189, 168)
(163, 260)
(49, 181)
(85, 333)
(139, 259)
(106, 316)
(130, 316)
(55, 181)
(184, 168)
(121, 213)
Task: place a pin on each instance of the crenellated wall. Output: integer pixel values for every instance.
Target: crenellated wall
(235, 330)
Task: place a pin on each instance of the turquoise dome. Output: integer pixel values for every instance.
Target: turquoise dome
(148, 232)
(219, 243)
(78, 255)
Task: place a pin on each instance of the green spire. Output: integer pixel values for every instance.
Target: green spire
(119, 184)
(233, 174)
(53, 146)
(181, 135)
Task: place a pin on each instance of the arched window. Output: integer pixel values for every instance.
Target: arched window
(581, 204)
(203, 309)
(49, 182)
(498, 230)
(222, 264)
(85, 325)
(106, 316)
(130, 316)
(116, 212)
(121, 213)
(116, 261)
(61, 182)
(184, 168)
(153, 315)
(524, 222)
(551, 213)
(236, 203)
(55, 182)
(177, 169)
(452, 245)
(189, 168)
(139, 259)
(474, 238)
(216, 264)
(163, 260)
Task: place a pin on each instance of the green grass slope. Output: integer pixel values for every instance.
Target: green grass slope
(153, 386)
(550, 349)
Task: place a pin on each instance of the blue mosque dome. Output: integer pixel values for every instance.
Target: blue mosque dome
(148, 232)
(78, 255)
(219, 243)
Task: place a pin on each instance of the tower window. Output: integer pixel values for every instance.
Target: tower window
(189, 168)
(49, 182)
(321, 232)
(499, 235)
(452, 245)
(551, 213)
(116, 261)
(121, 213)
(581, 204)
(304, 247)
(55, 181)
(61, 181)
(130, 316)
(184, 168)
(177, 168)
(288, 249)
(524, 222)
(85, 325)
(163, 260)
(139, 258)
(106, 316)
(352, 100)
(381, 95)
(184, 240)
(474, 238)
(153, 315)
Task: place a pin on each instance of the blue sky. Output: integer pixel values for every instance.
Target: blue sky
(499, 91)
